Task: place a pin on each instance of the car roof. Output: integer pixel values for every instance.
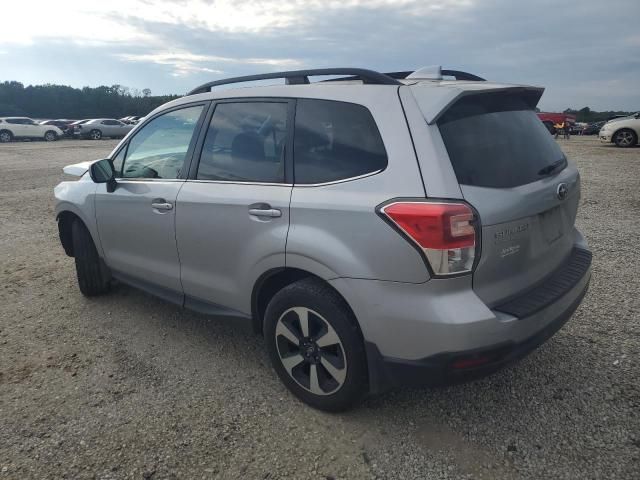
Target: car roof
(434, 96)
(433, 92)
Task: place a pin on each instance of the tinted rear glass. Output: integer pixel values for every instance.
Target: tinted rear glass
(335, 141)
(497, 141)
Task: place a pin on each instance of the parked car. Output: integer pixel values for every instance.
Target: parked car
(592, 128)
(133, 119)
(63, 125)
(73, 127)
(301, 208)
(22, 127)
(624, 131)
(102, 127)
(577, 128)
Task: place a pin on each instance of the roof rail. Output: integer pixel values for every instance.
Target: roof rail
(459, 75)
(298, 77)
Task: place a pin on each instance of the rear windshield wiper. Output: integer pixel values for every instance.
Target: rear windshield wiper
(549, 169)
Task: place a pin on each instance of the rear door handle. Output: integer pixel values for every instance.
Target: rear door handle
(265, 212)
(161, 204)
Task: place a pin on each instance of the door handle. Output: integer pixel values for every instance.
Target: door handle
(161, 204)
(265, 212)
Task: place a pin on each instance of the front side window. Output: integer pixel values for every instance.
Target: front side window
(245, 142)
(118, 161)
(159, 149)
(335, 141)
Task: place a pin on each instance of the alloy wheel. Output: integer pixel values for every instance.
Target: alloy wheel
(96, 135)
(624, 138)
(5, 137)
(311, 351)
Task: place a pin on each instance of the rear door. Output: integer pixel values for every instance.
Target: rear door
(19, 127)
(32, 129)
(234, 210)
(136, 222)
(511, 170)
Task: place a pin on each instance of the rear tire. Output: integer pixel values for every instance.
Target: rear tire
(625, 138)
(5, 136)
(325, 360)
(95, 134)
(92, 276)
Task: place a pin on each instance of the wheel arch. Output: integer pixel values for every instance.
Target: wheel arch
(65, 220)
(274, 280)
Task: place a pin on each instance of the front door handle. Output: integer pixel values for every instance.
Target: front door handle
(265, 212)
(161, 204)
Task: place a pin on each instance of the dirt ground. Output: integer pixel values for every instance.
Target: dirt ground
(127, 386)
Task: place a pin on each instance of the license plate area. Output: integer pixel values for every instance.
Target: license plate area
(552, 224)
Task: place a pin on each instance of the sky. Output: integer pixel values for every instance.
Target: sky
(585, 53)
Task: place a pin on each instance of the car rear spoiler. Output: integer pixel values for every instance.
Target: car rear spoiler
(434, 106)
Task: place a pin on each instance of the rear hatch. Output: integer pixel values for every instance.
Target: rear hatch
(526, 193)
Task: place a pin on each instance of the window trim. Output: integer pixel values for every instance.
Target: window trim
(288, 154)
(124, 145)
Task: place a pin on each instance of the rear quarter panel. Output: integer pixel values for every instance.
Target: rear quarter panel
(335, 230)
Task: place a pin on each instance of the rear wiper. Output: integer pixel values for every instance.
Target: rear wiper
(549, 169)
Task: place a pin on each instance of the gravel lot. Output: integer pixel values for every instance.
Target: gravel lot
(126, 386)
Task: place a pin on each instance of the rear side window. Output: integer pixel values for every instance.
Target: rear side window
(497, 141)
(245, 142)
(335, 141)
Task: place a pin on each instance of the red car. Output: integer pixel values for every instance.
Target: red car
(550, 119)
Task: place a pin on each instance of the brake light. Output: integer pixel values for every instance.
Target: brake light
(444, 231)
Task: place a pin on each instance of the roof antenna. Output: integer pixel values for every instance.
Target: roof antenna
(433, 72)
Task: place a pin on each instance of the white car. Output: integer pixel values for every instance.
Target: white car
(23, 127)
(624, 131)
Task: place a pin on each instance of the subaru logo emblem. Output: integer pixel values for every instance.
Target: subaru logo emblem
(562, 191)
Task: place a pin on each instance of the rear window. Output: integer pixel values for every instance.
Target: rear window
(497, 141)
(335, 141)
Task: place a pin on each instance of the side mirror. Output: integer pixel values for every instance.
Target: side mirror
(102, 172)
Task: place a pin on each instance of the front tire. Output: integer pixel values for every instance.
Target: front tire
(5, 136)
(50, 136)
(92, 276)
(315, 345)
(625, 138)
(95, 134)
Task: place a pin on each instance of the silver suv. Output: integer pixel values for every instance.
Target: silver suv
(377, 229)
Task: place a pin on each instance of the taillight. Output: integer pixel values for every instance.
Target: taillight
(445, 232)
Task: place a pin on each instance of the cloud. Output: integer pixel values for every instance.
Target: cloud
(185, 63)
(582, 56)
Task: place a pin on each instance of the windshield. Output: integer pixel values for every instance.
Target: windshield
(496, 140)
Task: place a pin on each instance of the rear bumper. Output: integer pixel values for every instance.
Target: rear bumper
(457, 367)
(437, 333)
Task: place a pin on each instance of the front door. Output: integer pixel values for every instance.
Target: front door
(136, 222)
(233, 218)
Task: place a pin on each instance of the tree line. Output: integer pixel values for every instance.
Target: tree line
(587, 115)
(116, 101)
(61, 101)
